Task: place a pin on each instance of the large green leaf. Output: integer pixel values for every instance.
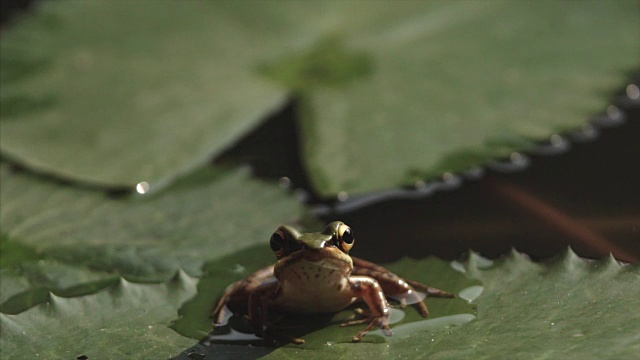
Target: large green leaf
(571, 308)
(205, 216)
(454, 84)
(126, 320)
(120, 92)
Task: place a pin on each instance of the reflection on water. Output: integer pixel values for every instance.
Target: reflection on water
(458, 266)
(410, 297)
(232, 335)
(405, 330)
(471, 293)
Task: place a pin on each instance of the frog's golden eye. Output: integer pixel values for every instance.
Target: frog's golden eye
(345, 237)
(278, 243)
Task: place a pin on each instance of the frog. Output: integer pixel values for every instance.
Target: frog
(314, 273)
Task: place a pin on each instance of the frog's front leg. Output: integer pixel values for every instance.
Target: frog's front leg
(393, 285)
(370, 291)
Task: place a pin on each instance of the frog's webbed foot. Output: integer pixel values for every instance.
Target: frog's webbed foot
(381, 322)
(369, 290)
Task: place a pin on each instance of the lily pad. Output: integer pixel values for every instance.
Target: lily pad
(207, 215)
(115, 93)
(455, 84)
(35, 282)
(126, 320)
(570, 308)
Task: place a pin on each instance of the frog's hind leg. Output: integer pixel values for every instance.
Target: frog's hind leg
(239, 291)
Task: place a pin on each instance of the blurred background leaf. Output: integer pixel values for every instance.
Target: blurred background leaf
(115, 93)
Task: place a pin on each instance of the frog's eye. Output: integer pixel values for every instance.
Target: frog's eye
(278, 243)
(345, 237)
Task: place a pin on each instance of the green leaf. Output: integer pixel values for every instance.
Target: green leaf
(125, 321)
(28, 278)
(207, 215)
(454, 84)
(116, 93)
(570, 308)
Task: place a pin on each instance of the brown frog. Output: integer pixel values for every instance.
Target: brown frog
(315, 274)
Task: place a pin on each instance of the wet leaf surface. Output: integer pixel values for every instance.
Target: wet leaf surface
(570, 308)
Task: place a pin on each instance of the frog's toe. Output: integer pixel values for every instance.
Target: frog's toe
(385, 330)
(354, 322)
(375, 322)
(274, 336)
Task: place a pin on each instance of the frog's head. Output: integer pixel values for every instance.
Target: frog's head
(336, 238)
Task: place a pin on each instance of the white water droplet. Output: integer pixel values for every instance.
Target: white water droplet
(633, 92)
(284, 182)
(142, 187)
(238, 269)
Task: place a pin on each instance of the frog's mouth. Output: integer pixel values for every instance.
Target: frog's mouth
(329, 257)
